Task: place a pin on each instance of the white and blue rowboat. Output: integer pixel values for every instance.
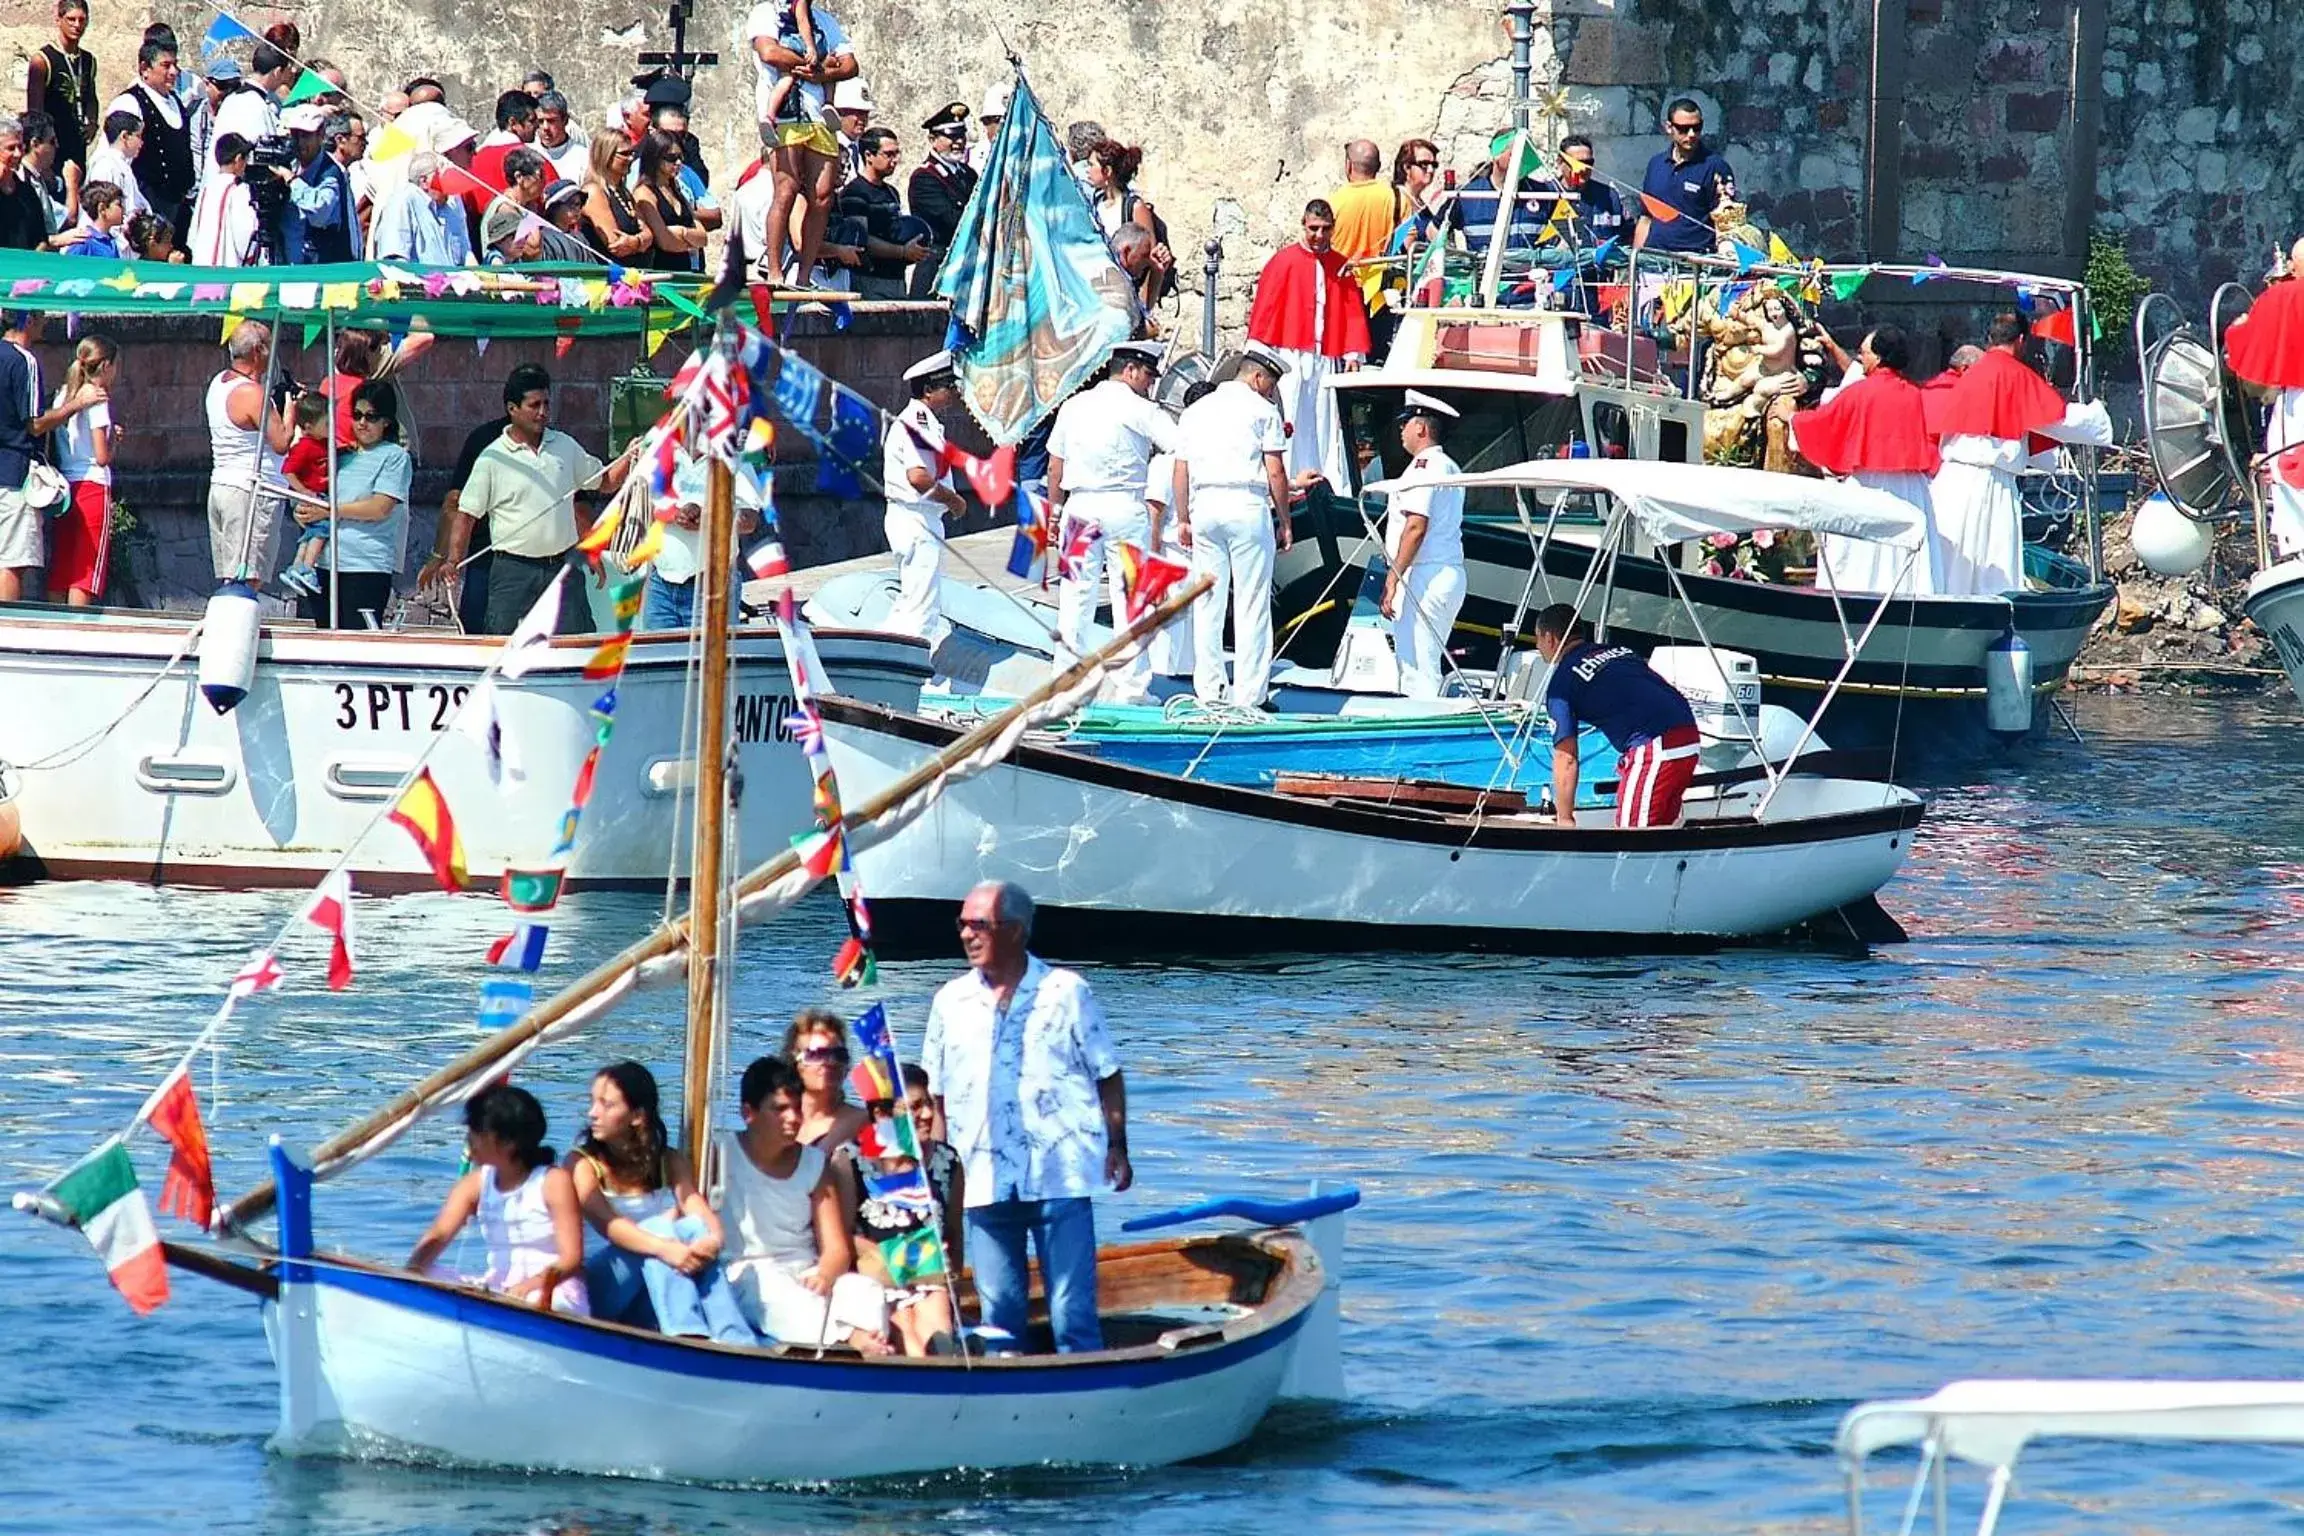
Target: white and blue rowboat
(1989, 1424)
(1205, 1333)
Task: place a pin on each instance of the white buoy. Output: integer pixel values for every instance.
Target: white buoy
(228, 646)
(2008, 685)
(2168, 542)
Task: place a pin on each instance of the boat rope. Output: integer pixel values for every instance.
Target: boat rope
(65, 756)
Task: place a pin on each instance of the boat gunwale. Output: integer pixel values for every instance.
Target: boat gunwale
(1467, 833)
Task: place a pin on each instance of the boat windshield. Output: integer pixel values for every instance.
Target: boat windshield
(1497, 429)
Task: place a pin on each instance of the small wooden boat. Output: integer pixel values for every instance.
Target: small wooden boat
(1110, 851)
(1989, 1423)
(1203, 1333)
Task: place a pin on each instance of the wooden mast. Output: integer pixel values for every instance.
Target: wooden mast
(708, 877)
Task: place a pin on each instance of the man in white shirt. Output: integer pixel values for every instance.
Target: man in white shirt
(1102, 442)
(1231, 507)
(1029, 1088)
(560, 141)
(918, 485)
(1424, 548)
(420, 221)
(246, 109)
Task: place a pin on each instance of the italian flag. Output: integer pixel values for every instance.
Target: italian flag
(104, 1202)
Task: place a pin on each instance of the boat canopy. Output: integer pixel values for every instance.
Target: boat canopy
(1673, 503)
(1989, 1423)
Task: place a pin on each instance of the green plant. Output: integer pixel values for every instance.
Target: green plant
(123, 523)
(2115, 288)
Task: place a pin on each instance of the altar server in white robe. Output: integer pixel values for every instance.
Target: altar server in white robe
(2266, 347)
(1423, 548)
(1871, 431)
(1231, 509)
(1985, 426)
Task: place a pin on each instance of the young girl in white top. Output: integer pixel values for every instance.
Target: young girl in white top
(791, 1258)
(526, 1204)
(82, 535)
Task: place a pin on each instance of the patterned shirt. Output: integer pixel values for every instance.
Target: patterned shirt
(1019, 1083)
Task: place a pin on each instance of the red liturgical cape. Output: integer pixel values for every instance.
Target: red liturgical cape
(1999, 397)
(1305, 302)
(2266, 345)
(1874, 424)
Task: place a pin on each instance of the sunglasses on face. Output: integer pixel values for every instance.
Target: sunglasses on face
(1687, 127)
(360, 415)
(1424, 165)
(977, 924)
(819, 1054)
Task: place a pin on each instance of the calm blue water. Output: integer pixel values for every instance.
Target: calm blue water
(1636, 1234)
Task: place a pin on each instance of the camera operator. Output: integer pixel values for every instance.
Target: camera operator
(320, 221)
(224, 225)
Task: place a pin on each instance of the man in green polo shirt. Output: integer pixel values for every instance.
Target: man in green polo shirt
(525, 484)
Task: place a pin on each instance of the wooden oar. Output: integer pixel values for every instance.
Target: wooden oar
(671, 936)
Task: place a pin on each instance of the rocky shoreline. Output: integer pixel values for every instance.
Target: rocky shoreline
(2177, 634)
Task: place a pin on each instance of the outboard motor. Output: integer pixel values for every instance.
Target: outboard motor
(228, 646)
(2008, 685)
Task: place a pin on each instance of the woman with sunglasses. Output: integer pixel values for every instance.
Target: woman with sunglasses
(665, 208)
(371, 496)
(817, 1044)
(612, 223)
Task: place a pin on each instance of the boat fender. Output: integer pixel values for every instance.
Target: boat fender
(228, 646)
(2168, 542)
(11, 829)
(2008, 685)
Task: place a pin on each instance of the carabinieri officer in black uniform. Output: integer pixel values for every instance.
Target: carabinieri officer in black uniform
(940, 189)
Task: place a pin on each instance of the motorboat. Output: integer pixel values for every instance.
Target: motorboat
(1989, 1424)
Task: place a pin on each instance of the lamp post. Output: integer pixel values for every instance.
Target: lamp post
(1520, 22)
(1212, 261)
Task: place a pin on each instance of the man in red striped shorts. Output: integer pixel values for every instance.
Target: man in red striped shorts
(1610, 688)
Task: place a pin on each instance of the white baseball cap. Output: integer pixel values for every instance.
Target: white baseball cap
(852, 95)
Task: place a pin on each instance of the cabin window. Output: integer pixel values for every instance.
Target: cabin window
(1497, 429)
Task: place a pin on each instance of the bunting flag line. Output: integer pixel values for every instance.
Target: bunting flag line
(224, 30)
(503, 999)
(993, 479)
(1145, 579)
(189, 1191)
(916, 1256)
(2057, 325)
(768, 559)
(800, 659)
(806, 727)
(1748, 258)
(892, 1137)
(581, 795)
(522, 949)
(531, 637)
(423, 812)
(853, 965)
(532, 890)
(871, 1081)
(1845, 284)
(821, 853)
(1031, 543)
(1080, 539)
(331, 913)
(1779, 252)
(608, 660)
(308, 85)
(480, 721)
(905, 1186)
(600, 535)
(104, 1202)
(1658, 209)
(262, 973)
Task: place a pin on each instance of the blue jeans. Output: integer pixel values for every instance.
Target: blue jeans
(649, 1293)
(668, 604)
(1064, 1232)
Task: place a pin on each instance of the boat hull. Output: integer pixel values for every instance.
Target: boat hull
(377, 1362)
(2275, 603)
(1918, 682)
(277, 790)
(1108, 850)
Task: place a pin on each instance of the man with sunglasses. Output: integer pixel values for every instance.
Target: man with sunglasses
(1029, 1088)
(1423, 547)
(1689, 179)
(940, 189)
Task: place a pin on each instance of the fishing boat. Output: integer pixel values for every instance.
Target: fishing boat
(116, 766)
(1989, 1424)
(245, 750)
(1532, 383)
(1204, 1332)
(1110, 849)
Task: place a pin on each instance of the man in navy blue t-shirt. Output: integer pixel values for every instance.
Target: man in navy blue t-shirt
(1609, 688)
(1691, 179)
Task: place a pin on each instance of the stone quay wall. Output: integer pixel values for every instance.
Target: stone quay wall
(1991, 131)
(161, 471)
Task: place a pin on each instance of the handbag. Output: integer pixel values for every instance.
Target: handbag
(46, 489)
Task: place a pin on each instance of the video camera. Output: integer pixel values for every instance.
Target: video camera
(268, 193)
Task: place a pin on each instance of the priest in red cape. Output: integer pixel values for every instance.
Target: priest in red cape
(2266, 347)
(1871, 431)
(1311, 314)
(1983, 425)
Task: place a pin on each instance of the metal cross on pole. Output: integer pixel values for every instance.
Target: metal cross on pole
(678, 59)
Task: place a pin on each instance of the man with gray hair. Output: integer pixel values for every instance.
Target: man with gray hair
(420, 221)
(1029, 1088)
(246, 436)
(559, 140)
(23, 219)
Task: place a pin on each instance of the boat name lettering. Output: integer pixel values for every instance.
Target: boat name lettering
(761, 716)
(377, 706)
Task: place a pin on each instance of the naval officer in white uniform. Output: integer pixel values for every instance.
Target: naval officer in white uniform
(918, 485)
(1103, 441)
(1424, 547)
(1231, 509)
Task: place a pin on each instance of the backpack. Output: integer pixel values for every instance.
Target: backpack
(1164, 284)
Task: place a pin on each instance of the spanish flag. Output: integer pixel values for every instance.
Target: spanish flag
(608, 661)
(423, 810)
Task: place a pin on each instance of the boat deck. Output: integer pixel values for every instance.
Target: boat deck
(978, 557)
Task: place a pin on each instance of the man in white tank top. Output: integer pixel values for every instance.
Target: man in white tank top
(246, 436)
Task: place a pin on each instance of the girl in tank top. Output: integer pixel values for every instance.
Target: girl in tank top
(529, 1222)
